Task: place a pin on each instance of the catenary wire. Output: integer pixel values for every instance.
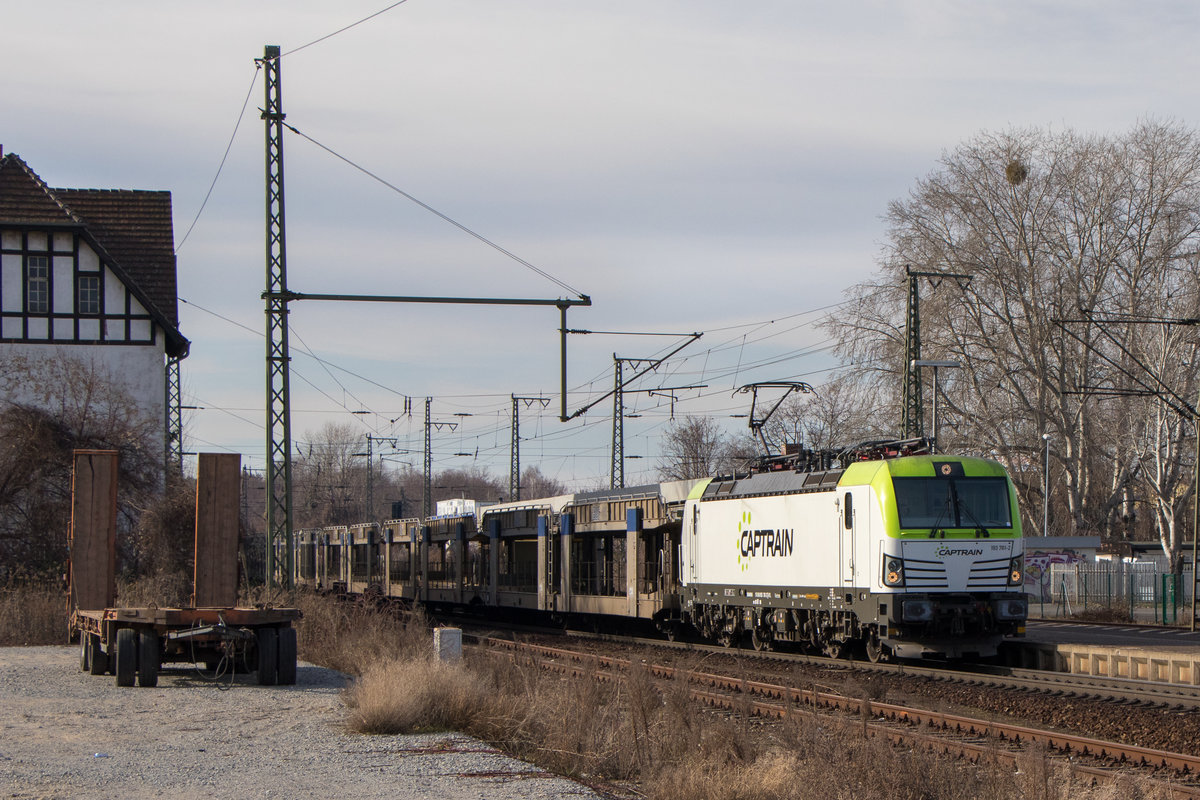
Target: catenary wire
(437, 213)
(343, 30)
(224, 158)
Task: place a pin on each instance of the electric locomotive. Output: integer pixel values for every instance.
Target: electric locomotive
(914, 556)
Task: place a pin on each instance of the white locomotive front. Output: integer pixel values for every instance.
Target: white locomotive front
(915, 556)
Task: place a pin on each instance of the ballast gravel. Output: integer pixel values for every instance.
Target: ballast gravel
(67, 734)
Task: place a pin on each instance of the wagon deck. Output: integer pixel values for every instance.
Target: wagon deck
(134, 643)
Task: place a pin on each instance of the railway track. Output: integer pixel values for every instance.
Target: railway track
(1177, 774)
(1171, 696)
(1059, 684)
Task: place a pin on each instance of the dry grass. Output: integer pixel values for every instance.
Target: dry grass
(414, 694)
(351, 637)
(33, 614)
(162, 590)
(641, 732)
(1115, 613)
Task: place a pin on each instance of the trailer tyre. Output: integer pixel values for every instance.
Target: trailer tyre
(268, 655)
(287, 656)
(85, 663)
(97, 658)
(148, 658)
(126, 666)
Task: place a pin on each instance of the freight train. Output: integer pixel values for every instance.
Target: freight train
(879, 552)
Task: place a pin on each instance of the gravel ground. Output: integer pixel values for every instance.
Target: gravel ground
(66, 734)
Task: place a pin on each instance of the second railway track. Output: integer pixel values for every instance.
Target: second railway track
(970, 737)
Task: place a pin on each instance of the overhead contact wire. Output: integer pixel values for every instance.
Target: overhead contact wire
(437, 213)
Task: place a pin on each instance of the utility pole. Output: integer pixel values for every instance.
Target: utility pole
(617, 472)
(279, 424)
(370, 456)
(427, 494)
(174, 456)
(912, 423)
(514, 473)
(277, 296)
(427, 500)
(617, 475)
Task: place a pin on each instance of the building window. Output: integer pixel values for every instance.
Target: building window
(37, 285)
(89, 294)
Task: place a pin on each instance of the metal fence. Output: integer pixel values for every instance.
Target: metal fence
(1142, 591)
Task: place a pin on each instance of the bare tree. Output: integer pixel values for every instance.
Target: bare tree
(1061, 234)
(534, 483)
(329, 479)
(53, 407)
(841, 412)
(694, 447)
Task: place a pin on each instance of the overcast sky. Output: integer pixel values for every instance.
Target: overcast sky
(692, 166)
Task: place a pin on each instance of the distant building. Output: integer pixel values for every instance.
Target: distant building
(89, 274)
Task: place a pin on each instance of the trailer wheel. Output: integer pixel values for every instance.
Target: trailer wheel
(268, 655)
(148, 658)
(85, 663)
(126, 666)
(287, 656)
(97, 658)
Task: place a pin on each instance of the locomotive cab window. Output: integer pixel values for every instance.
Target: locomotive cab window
(848, 511)
(959, 502)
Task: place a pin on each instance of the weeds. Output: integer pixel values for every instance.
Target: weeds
(650, 734)
(33, 614)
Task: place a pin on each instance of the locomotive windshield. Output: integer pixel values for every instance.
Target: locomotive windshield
(955, 502)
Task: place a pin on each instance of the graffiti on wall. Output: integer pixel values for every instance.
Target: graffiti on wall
(1037, 569)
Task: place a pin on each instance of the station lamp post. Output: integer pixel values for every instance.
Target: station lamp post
(936, 366)
(1046, 486)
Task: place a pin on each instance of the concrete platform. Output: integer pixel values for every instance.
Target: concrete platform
(1167, 655)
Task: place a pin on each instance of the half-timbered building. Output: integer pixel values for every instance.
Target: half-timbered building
(89, 274)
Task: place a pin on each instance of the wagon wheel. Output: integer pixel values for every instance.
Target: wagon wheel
(126, 660)
(287, 656)
(268, 655)
(98, 660)
(148, 658)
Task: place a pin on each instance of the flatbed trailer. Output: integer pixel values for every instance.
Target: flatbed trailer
(134, 643)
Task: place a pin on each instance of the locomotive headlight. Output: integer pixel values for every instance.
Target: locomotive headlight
(893, 571)
(1016, 574)
(1011, 608)
(913, 610)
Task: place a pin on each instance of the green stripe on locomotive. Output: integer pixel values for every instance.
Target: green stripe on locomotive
(879, 475)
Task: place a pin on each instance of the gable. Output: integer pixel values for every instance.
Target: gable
(124, 237)
(76, 297)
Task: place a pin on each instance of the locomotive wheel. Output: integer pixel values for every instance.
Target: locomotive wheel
(875, 650)
(761, 639)
(835, 649)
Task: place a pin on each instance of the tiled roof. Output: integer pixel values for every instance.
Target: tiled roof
(132, 229)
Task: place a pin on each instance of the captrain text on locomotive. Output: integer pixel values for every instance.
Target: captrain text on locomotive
(911, 556)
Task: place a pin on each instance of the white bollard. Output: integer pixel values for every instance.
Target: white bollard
(447, 643)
